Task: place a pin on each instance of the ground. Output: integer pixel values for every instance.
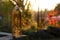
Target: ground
(40, 35)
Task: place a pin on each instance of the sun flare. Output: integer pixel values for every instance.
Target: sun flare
(43, 4)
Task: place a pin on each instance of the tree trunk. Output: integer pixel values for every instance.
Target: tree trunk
(16, 29)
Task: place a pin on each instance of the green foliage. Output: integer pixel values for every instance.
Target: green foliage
(6, 9)
(26, 14)
(57, 8)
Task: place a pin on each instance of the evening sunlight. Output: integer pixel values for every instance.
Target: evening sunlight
(29, 19)
(43, 4)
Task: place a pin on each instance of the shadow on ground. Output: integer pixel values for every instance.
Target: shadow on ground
(49, 34)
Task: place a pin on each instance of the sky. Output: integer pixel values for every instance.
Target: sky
(44, 4)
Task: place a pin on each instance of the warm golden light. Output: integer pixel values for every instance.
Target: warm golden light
(43, 4)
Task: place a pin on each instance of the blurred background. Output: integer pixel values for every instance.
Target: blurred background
(35, 16)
